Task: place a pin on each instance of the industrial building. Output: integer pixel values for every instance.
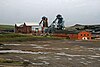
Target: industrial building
(28, 29)
(55, 29)
(82, 35)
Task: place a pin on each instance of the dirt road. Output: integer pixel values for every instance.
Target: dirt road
(59, 53)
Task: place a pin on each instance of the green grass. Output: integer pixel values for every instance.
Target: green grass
(6, 27)
(23, 38)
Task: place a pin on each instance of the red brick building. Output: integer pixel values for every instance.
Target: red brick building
(23, 29)
(83, 35)
(36, 29)
(72, 36)
(27, 29)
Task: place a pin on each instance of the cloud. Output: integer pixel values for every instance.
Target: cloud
(73, 11)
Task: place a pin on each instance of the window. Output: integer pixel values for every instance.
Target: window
(87, 34)
(88, 38)
(84, 34)
(36, 29)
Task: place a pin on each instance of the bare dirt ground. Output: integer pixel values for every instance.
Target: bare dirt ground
(58, 53)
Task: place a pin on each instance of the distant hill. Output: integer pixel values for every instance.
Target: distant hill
(6, 27)
(84, 27)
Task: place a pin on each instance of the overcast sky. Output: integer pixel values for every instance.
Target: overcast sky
(73, 11)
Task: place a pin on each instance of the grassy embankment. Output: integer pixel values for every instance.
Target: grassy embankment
(11, 37)
(22, 38)
(6, 27)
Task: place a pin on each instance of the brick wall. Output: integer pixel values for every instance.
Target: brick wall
(23, 29)
(84, 35)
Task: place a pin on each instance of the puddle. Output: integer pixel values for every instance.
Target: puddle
(54, 48)
(33, 45)
(66, 48)
(37, 63)
(23, 52)
(41, 63)
(13, 44)
(82, 47)
(69, 58)
(84, 63)
(46, 45)
(57, 57)
(94, 48)
(64, 54)
(99, 60)
(91, 58)
(38, 47)
(42, 57)
(94, 56)
(27, 60)
(97, 54)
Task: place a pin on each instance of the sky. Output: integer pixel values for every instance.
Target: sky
(73, 11)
